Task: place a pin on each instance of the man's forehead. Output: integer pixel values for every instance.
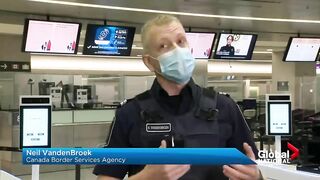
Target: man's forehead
(167, 28)
(175, 26)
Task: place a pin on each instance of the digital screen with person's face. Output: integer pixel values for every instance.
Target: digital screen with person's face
(235, 46)
(200, 44)
(230, 39)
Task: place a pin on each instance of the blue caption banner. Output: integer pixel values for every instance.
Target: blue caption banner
(121, 156)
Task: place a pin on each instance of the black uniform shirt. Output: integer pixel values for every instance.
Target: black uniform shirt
(229, 49)
(126, 128)
(176, 105)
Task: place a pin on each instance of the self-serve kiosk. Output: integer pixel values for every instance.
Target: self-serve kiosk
(278, 118)
(35, 125)
(278, 115)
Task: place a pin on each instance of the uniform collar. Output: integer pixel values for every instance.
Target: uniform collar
(157, 91)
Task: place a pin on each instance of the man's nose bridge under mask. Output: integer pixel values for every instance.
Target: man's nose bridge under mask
(175, 45)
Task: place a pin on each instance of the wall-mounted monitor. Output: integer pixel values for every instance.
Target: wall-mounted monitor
(50, 37)
(201, 44)
(108, 40)
(300, 49)
(235, 46)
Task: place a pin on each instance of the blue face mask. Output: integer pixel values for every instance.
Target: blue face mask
(177, 65)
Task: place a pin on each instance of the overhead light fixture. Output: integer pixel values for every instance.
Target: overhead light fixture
(222, 67)
(86, 5)
(137, 47)
(86, 64)
(262, 52)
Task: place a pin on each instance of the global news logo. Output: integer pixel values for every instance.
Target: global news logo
(286, 158)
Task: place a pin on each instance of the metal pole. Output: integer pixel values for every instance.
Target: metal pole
(35, 171)
(78, 169)
(30, 89)
(277, 144)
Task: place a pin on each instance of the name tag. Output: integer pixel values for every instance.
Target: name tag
(158, 127)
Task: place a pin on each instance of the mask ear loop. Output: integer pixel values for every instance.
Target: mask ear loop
(153, 57)
(156, 71)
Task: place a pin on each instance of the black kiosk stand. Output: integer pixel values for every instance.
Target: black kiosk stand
(35, 125)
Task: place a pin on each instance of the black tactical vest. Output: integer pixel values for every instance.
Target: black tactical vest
(196, 128)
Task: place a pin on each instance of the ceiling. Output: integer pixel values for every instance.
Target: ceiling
(202, 15)
(284, 9)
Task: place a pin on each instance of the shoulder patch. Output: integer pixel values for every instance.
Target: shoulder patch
(124, 102)
(223, 93)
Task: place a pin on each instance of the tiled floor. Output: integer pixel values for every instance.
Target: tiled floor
(86, 174)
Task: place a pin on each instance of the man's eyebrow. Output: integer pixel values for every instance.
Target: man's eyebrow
(163, 39)
(181, 35)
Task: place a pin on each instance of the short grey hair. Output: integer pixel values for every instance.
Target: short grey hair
(159, 20)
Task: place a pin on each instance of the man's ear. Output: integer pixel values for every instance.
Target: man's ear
(147, 61)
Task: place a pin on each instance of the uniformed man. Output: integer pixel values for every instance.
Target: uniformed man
(176, 112)
(228, 49)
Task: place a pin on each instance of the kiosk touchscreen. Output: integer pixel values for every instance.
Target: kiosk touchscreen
(35, 121)
(278, 115)
(279, 118)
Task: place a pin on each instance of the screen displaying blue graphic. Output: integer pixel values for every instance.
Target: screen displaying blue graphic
(108, 40)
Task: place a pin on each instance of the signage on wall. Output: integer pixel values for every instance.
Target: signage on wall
(318, 68)
(283, 85)
(15, 66)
